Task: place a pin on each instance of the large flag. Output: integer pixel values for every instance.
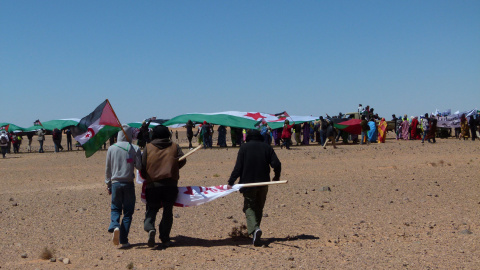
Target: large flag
(351, 126)
(11, 127)
(96, 128)
(237, 119)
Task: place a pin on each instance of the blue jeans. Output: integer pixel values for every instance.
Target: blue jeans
(123, 198)
(424, 134)
(207, 141)
(364, 134)
(323, 137)
(41, 147)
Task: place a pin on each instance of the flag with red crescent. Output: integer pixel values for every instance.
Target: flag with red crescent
(96, 128)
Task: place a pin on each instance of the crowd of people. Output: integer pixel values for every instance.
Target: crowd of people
(373, 129)
(15, 139)
(322, 131)
(426, 128)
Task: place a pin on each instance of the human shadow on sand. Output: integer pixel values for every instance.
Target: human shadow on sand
(186, 241)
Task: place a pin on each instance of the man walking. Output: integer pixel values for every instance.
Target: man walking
(69, 139)
(41, 138)
(365, 128)
(4, 142)
(253, 164)
(122, 158)
(161, 171)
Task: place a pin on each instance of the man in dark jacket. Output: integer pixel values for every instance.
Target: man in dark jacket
(253, 165)
(190, 127)
(365, 129)
(161, 171)
(331, 133)
(323, 130)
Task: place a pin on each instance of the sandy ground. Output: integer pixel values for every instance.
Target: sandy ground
(398, 205)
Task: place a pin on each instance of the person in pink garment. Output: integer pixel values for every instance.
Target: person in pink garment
(405, 128)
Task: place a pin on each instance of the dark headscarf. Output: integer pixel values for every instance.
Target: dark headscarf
(254, 135)
(160, 132)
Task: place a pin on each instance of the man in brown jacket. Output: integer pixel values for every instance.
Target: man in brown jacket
(160, 169)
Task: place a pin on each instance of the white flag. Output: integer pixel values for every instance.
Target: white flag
(193, 195)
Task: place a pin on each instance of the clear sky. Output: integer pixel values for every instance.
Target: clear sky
(60, 59)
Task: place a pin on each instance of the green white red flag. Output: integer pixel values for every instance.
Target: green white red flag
(96, 128)
(351, 126)
(238, 119)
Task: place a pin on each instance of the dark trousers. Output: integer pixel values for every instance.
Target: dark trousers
(4, 151)
(41, 147)
(254, 201)
(158, 197)
(207, 141)
(287, 142)
(323, 136)
(190, 141)
(16, 147)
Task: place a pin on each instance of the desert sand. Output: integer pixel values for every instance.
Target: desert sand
(398, 205)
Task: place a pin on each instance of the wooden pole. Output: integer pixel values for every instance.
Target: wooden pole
(259, 184)
(118, 121)
(189, 153)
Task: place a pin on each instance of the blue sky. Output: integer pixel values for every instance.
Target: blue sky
(60, 59)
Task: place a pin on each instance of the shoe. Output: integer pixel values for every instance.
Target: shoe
(116, 236)
(256, 237)
(126, 245)
(166, 244)
(151, 238)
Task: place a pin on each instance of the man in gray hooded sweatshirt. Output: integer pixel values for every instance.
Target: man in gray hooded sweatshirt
(122, 158)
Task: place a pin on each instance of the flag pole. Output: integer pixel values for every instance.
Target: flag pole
(189, 153)
(118, 121)
(259, 184)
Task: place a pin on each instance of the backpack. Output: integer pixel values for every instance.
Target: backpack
(3, 139)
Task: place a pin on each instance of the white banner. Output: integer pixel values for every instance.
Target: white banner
(453, 120)
(193, 195)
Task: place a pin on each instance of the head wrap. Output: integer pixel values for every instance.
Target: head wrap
(160, 132)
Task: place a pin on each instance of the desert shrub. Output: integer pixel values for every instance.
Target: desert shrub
(46, 253)
(239, 232)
